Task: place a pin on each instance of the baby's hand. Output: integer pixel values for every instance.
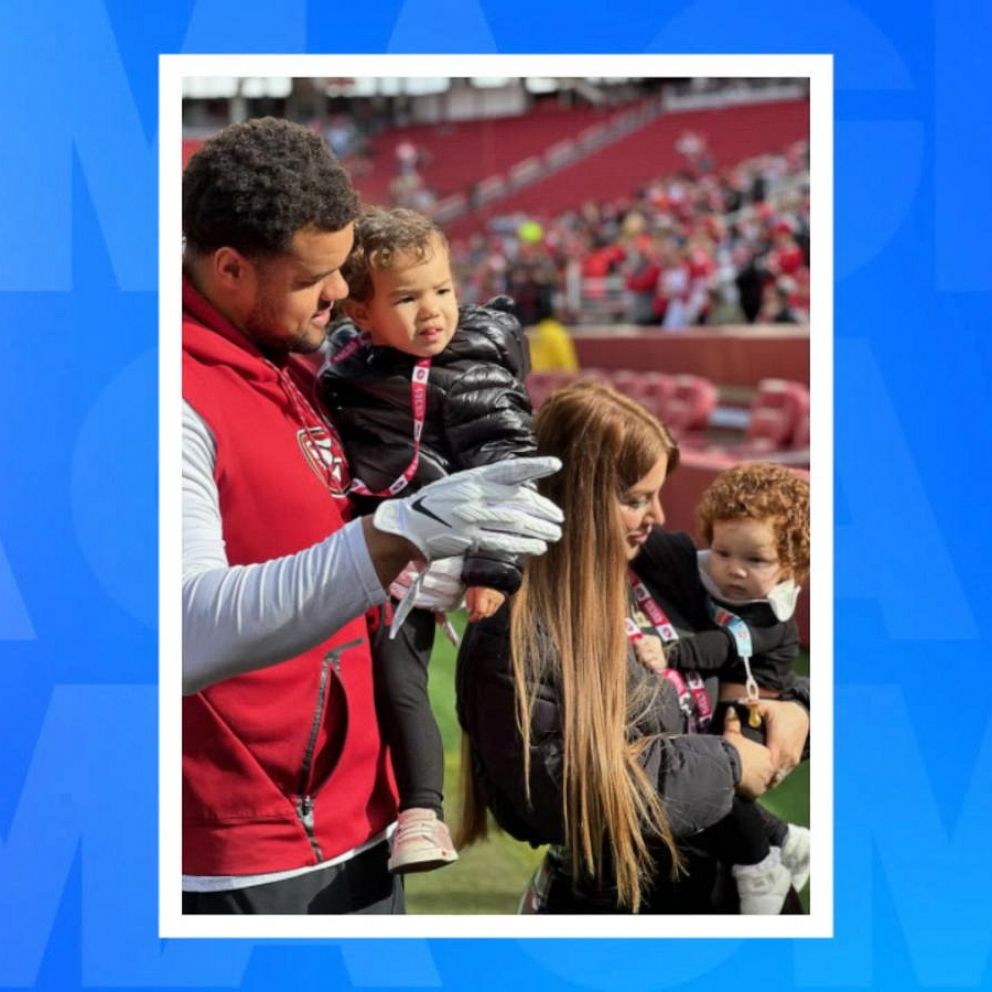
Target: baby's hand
(650, 653)
(482, 602)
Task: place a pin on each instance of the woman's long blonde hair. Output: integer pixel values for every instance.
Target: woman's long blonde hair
(567, 625)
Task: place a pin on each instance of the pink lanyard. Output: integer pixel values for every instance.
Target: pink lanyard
(694, 701)
(418, 401)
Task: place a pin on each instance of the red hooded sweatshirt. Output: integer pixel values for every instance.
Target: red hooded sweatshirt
(282, 767)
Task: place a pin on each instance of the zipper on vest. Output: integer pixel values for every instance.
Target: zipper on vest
(304, 810)
(304, 802)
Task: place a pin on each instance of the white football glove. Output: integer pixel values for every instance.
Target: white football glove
(481, 509)
(441, 587)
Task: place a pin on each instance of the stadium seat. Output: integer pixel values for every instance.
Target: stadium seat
(651, 389)
(540, 385)
(688, 407)
(776, 416)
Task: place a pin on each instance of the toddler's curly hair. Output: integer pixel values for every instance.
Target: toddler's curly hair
(381, 236)
(767, 492)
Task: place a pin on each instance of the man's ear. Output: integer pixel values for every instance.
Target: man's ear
(231, 268)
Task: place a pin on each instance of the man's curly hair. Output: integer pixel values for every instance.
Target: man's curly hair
(766, 492)
(381, 236)
(252, 186)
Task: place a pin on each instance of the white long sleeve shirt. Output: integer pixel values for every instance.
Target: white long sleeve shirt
(238, 618)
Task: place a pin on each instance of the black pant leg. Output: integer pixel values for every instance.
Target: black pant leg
(776, 828)
(740, 838)
(404, 710)
(363, 884)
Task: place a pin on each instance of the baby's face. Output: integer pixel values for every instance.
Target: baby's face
(743, 560)
(414, 308)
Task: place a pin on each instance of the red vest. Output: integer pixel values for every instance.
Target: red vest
(283, 767)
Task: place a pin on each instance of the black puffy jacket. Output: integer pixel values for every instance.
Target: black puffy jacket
(703, 647)
(478, 412)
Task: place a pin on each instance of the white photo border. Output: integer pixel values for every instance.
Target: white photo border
(172, 69)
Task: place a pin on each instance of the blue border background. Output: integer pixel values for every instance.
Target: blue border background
(78, 506)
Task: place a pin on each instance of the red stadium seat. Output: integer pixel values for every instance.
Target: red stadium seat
(687, 409)
(801, 437)
(776, 416)
(651, 389)
(540, 385)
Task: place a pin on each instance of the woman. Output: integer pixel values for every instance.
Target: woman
(569, 740)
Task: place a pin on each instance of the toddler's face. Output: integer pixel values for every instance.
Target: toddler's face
(743, 559)
(414, 308)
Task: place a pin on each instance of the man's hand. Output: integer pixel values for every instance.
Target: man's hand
(482, 509)
(756, 761)
(650, 653)
(786, 730)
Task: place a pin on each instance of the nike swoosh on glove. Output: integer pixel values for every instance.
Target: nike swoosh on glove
(482, 509)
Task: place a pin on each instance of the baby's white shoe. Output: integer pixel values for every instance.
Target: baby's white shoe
(763, 887)
(795, 855)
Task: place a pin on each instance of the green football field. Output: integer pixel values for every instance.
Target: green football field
(490, 877)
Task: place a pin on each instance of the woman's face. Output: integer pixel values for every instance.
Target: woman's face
(640, 507)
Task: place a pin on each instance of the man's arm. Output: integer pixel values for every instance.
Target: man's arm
(240, 618)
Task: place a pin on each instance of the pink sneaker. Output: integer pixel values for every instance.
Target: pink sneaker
(421, 842)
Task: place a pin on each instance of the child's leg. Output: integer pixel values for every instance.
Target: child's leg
(776, 829)
(741, 837)
(404, 710)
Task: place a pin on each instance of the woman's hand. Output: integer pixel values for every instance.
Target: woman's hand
(786, 730)
(756, 760)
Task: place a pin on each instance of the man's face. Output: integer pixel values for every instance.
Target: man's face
(288, 302)
(414, 308)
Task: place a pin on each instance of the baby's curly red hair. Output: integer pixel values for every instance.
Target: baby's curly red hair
(767, 492)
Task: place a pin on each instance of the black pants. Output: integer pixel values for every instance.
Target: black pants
(704, 887)
(362, 884)
(745, 835)
(405, 717)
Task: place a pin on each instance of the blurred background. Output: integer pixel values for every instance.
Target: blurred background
(654, 233)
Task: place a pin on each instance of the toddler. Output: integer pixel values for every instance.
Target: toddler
(419, 388)
(755, 521)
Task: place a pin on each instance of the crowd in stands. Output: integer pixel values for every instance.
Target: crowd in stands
(698, 247)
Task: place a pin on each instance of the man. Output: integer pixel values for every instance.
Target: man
(287, 800)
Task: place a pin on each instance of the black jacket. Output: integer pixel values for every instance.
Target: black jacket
(478, 412)
(696, 774)
(703, 647)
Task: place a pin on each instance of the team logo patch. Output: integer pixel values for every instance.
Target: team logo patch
(325, 458)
